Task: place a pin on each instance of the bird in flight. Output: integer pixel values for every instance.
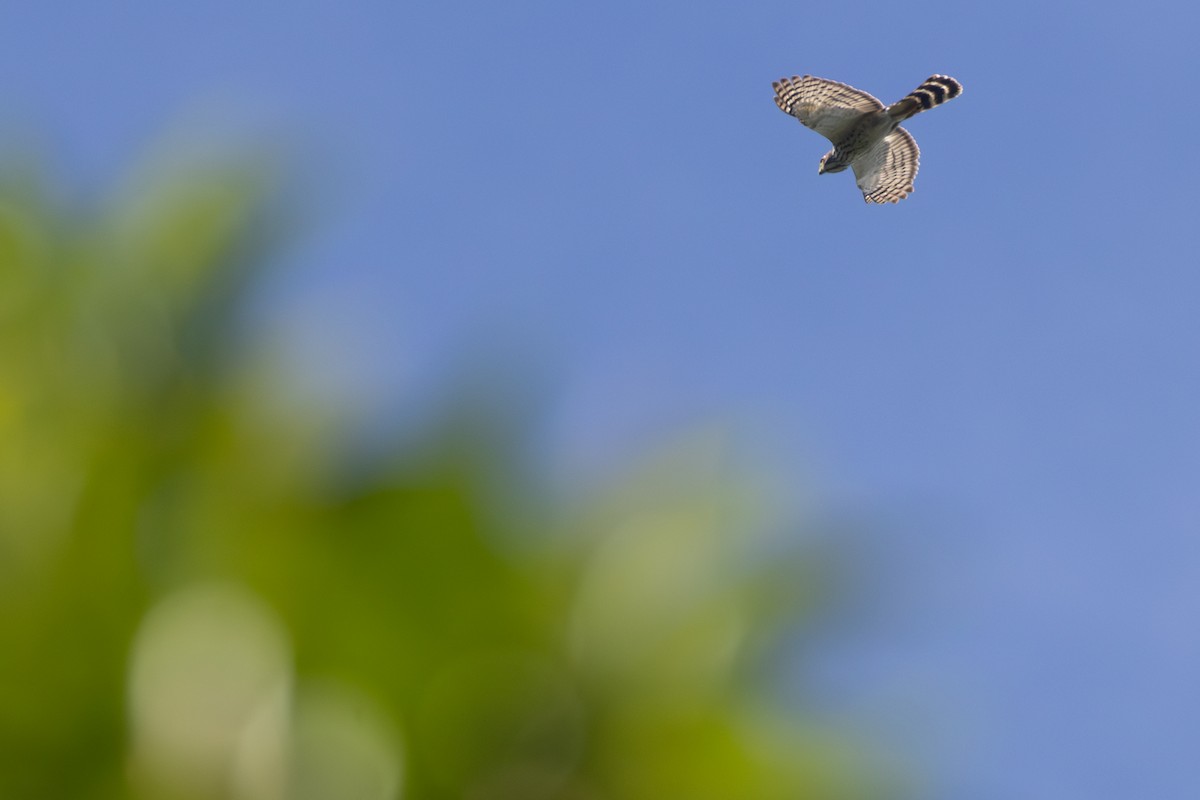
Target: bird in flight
(866, 135)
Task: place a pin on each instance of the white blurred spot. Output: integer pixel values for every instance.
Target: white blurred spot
(655, 603)
(214, 715)
(342, 746)
(210, 674)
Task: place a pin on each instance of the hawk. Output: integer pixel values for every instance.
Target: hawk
(866, 135)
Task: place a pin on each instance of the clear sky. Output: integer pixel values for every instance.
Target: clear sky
(1002, 372)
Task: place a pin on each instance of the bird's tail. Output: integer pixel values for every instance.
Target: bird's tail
(936, 90)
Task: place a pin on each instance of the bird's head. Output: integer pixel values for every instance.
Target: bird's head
(830, 162)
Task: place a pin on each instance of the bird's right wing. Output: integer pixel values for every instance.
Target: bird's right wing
(886, 172)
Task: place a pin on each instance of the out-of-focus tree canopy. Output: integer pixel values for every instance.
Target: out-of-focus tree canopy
(203, 594)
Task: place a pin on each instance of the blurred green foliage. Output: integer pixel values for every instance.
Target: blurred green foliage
(205, 593)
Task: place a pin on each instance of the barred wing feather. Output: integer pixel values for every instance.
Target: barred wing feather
(828, 107)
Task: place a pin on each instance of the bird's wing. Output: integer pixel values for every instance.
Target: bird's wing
(828, 107)
(886, 172)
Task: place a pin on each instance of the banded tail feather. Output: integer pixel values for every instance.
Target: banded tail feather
(936, 89)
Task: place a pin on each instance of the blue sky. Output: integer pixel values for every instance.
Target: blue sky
(1001, 371)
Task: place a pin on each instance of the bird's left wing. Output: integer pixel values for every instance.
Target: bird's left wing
(828, 107)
